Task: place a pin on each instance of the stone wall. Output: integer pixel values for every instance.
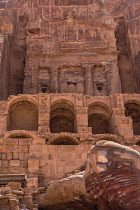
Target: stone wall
(14, 155)
(45, 114)
(45, 162)
(30, 156)
(56, 161)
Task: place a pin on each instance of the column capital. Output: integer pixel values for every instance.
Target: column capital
(87, 65)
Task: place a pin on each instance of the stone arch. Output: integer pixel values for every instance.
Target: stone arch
(63, 139)
(22, 98)
(62, 117)
(132, 109)
(20, 134)
(98, 118)
(109, 137)
(22, 115)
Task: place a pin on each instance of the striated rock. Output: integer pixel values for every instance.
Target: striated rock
(112, 176)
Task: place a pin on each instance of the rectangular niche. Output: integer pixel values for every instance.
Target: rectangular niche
(99, 80)
(44, 80)
(71, 79)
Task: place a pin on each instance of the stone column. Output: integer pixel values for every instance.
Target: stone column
(44, 113)
(122, 125)
(82, 119)
(112, 77)
(31, 82)
(54, 80)
(89, 88)
(116, 82)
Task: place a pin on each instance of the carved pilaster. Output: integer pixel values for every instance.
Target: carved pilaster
(113, 77)
(31, 82)
(54, 80)
(89, 87)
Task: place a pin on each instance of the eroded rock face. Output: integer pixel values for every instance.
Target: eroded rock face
(69, 46)
(64, 190)
(112, 176)
(111, 180)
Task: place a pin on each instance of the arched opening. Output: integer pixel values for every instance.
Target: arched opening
(110, 137)
(64, 141)
(62, 117)
(23, 115)
(132, 109)
(20, 135)
(98, 118)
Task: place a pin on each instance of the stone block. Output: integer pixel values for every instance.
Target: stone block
(6, 190)
(5, 163)
(32, 182)
(3, 201)
(16, 148)
(18, 192)
(27, 191)
(3, 149)
(3, 156)
(26, 156)
(15, 163)
(25, 149)
(21, 156)
(14, 185)
(15, 170)
(23, 170)
(15, 156)
(11, 141)
(33, 165)
(27, 200)
(9, 156)
(6, 170)
(1, 141)
(25, 142)
(13, 202)
(24, 164)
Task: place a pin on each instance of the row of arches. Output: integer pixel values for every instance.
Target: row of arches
(68, 138)
(23, 115)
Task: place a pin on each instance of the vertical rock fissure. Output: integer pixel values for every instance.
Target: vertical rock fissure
(17, 59)
(125, 61)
